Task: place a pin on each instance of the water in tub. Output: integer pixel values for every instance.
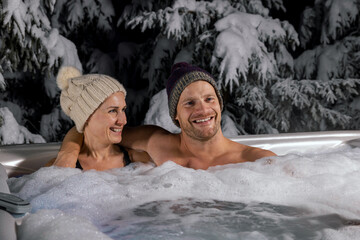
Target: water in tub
(296, 196)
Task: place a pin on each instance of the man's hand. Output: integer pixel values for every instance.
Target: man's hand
(66, 159)
(70, 149)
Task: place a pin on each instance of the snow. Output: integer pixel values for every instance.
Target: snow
(340, 15)
(12, 133)
(330, 62)
(158, 113)
(15, 9)
(327, 62)
(107, 12)
(66, 50)
(185, 55)
(305, 65)
(77, 12)
(204, 8)
(239, 42)
(296, 196)
(100, 62)
(283, 58)
(2, 82)
(82, 12)
(241, 47)
(257, 7)
(163, 48)
(15, 109)
(189, 4)
(307, 24)
(52, 124)
(228, 126)
(355, 104)
(59, 48)
(175, 26)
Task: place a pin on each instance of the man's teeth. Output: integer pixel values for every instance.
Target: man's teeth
(203, 120)
(116, 129)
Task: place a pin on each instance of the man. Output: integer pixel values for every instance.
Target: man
(195, 105)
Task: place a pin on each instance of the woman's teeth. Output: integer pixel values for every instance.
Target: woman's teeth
(116, 129)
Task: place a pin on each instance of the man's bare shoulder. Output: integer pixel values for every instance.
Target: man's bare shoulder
(250, 153)
(254, 153)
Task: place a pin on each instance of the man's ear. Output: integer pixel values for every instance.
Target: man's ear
(176, 118)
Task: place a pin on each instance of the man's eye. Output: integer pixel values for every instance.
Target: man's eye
(113, 111)
(189, 103)
(210, 99)
(124, 109)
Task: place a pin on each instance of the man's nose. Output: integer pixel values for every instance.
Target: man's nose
(201, 106)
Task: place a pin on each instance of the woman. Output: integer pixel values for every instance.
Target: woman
(96, 104)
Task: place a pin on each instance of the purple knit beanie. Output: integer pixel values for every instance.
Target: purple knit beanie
(182, 74)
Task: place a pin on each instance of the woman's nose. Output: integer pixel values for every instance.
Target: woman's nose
(121, 118)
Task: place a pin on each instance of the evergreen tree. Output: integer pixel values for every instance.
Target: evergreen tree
(31, 51)
(329, 33)
(237, 41)
(250, 54)
(35, 43)
(247, 49)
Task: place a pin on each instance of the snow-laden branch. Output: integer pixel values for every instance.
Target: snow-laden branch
(339, 60)
(246, 44)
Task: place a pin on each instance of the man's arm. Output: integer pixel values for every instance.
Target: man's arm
(70, 149)
(139, 156)
(142, 138)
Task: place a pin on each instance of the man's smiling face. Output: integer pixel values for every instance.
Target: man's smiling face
(198, 111)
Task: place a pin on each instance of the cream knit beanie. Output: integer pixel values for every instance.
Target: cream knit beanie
(81, 94)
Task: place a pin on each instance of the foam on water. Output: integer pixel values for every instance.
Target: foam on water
(287, 197)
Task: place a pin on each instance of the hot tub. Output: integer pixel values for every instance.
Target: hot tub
(261, 200)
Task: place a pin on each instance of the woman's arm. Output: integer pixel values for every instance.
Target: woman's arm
(70, 149)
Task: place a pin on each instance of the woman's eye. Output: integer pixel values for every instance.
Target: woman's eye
(209, 99)
(113, 111)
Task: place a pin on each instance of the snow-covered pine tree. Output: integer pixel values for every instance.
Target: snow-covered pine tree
(104, 47)
(39, 36)
(248, 52)
(329, 70)
(31, 51)
(35, 43)
(237, 41)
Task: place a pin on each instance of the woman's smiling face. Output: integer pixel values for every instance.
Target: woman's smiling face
(108, 121)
